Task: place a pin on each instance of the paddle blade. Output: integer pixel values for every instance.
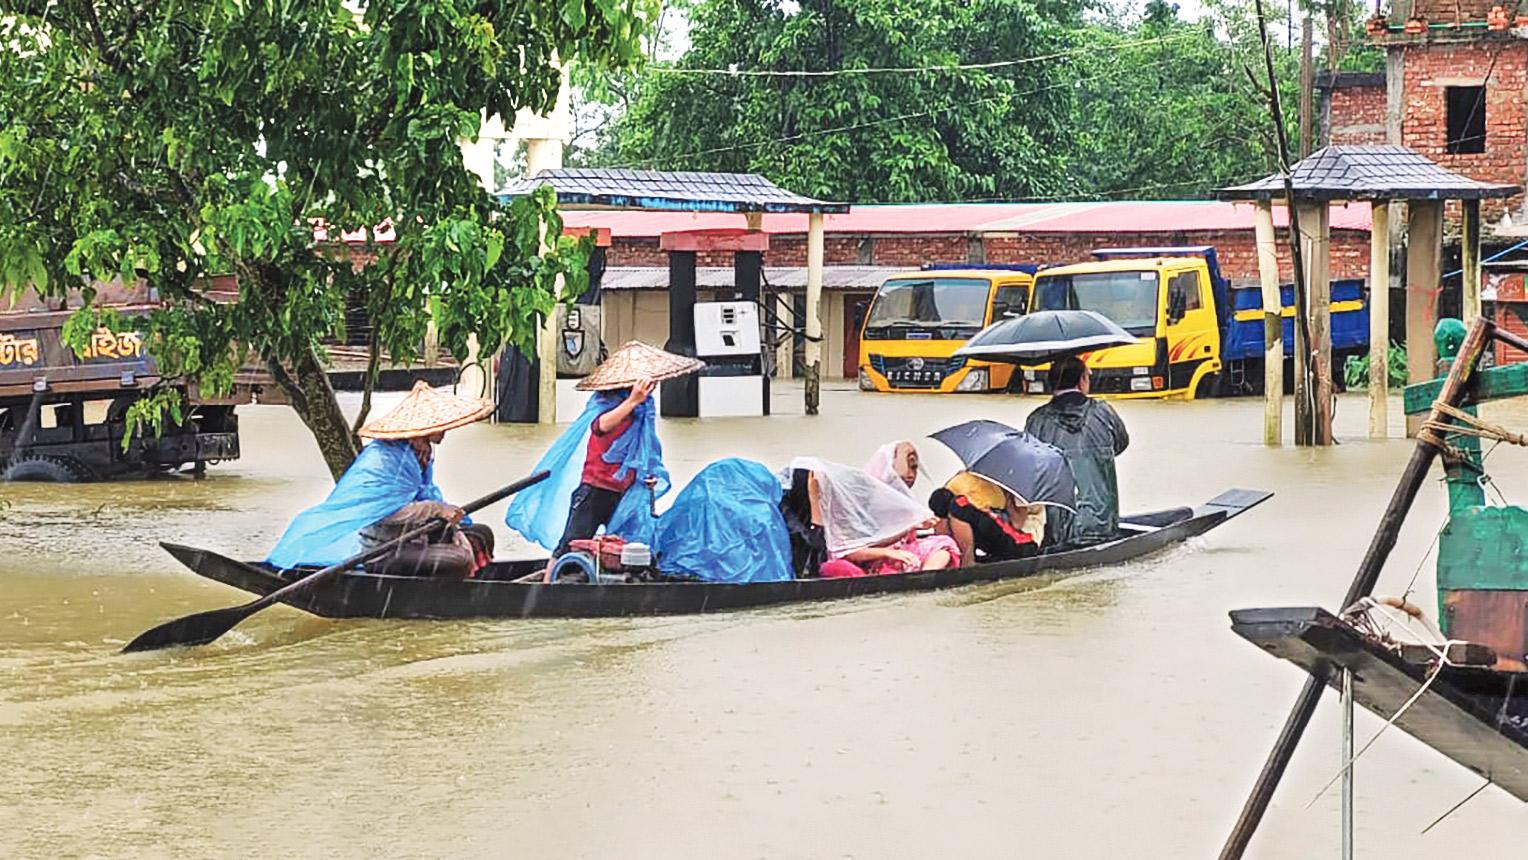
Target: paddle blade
(198, 629)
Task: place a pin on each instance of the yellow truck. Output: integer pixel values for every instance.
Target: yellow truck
(918, 319)
(1197, 337)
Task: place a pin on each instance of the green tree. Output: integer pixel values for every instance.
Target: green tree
(851, 132)
(174, 140)
(1166, 107)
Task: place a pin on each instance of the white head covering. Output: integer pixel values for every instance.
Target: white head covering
(858, 510)
(883, 467)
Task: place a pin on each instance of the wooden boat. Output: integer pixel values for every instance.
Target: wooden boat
(493, 594)
(1473, 714)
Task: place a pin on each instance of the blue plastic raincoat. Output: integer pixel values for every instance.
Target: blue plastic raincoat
(725, 526)
(540, 513)
(384, 477)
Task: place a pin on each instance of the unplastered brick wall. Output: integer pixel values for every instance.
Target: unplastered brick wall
(1357, 116)
(1236, 249)
(1501, 65)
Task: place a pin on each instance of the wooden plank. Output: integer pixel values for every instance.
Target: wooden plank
(1379, 320)
(1273, 325)
(1424, 251)
(1492, 384)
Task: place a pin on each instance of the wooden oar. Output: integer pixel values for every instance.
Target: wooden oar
(204, 627)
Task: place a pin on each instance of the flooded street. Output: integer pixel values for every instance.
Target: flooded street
(1112, 714)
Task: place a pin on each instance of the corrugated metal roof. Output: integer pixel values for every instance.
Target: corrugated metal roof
(667, 190)
(1130, 216)
(718, 278)
(1369, 173)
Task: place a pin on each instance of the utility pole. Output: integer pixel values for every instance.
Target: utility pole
(1307, 85)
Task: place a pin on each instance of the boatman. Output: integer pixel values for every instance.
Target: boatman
(607, 469)
(389, 489)
(1091, 434)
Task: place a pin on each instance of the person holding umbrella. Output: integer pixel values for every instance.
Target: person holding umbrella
(1011, 478)
(1092, 435)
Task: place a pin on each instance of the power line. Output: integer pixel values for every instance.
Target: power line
(734, 72)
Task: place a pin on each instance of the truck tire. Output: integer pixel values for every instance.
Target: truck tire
(53, 470)
(1212, 385)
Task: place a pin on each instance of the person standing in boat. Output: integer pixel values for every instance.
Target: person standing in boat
(607, 469)
(1091, 434)
(389, 489)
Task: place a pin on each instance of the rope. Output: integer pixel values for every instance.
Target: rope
(1470, 425)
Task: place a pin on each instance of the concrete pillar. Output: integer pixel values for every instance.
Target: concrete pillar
(546, 154)
(1273, 324)
(680, 398)
(1379, 320)
(1315, 250)
(1469, 254)
(814, 255)
(477, 376)
(1424, 253)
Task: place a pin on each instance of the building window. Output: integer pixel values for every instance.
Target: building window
(1466, 119)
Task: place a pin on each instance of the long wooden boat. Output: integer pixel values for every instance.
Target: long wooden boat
(1474, 715)
(493, 594)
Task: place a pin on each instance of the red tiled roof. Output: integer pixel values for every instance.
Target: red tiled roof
(1134, 216)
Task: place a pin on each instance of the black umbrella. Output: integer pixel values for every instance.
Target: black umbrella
(1012, 459)
(1044, 336)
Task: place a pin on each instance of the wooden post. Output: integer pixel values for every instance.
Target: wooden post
(1307, 85)
(814, 254)
(1379, 320)
(1424, 252)
(1469, 259)
(1273, 324)
(1316, 237)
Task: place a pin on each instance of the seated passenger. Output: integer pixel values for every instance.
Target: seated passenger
(984, 495)
(377, 495)
(726, 526)
(864, 526)
(895, 464)
(981, 535)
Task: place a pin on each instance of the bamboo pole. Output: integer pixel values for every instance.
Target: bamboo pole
(1379, 320)
(1273, 324)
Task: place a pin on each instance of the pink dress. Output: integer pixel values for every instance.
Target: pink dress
(921, 547)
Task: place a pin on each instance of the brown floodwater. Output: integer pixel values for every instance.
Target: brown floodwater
(1112, 714)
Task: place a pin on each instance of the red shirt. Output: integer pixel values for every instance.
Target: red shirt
(597, 472)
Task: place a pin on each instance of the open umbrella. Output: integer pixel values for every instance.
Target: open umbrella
(1012, 459)
(1044, 336)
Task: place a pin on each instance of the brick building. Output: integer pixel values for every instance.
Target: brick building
(1453, 89)
(871, 242)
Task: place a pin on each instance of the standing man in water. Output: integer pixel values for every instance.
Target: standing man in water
(1092, 435)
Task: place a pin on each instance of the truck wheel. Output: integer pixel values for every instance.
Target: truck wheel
(1212, 385)
(53, 470)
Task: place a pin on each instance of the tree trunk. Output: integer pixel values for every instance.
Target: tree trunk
(307, 387)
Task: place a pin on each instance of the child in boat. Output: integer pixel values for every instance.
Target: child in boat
(388, 489)
(607, 469)
(980, 530)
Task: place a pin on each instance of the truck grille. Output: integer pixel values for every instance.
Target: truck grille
(915, 372)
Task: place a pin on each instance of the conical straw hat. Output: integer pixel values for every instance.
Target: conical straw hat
(426, 411)
(635, 362)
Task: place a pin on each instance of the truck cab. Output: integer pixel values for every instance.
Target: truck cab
(1197, 336)
(919, 318)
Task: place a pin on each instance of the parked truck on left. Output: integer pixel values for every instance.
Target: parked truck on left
(63, 410)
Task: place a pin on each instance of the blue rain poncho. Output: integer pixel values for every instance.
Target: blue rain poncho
(384, 477)
(725, 526)
(540, 513)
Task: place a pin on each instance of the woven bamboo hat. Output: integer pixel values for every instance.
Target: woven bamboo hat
(635, 362)
(427, 411)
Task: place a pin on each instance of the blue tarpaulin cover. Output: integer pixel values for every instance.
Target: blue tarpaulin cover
(384, 477)
(725, 526)
(540, 513)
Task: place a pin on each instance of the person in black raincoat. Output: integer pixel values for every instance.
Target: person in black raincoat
(1092, 435)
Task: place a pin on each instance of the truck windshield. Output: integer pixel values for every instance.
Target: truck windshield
(931, 302)
(1128, 298)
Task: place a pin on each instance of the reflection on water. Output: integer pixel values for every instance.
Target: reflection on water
(1111, 714)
